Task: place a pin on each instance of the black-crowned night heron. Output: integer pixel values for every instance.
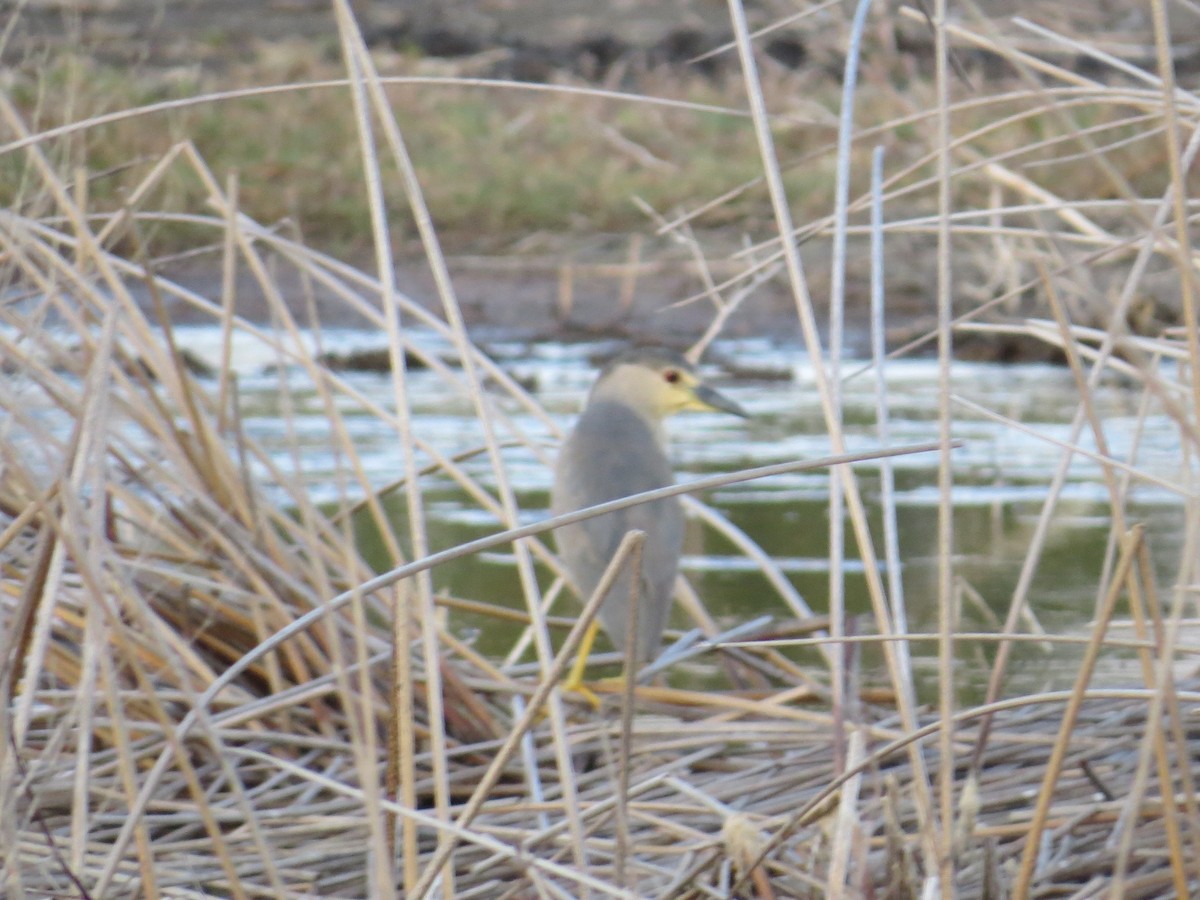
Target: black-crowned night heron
(618, 448)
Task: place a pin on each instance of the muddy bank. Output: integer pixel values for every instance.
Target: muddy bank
(586, 289)
(558, 299)
(535, 39)
(586, 286)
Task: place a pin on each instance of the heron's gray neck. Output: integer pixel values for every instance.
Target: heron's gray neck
(602, 401)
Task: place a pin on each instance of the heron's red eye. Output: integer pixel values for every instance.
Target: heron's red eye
(670, 376)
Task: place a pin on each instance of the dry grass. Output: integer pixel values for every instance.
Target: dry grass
(206, 692)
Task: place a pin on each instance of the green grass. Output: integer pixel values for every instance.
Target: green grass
(495, 164)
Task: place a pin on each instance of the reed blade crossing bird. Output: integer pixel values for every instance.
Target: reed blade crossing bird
(618, 448)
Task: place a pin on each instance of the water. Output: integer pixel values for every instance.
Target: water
(1001, 474)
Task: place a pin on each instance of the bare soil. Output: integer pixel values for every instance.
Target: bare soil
(535, 38)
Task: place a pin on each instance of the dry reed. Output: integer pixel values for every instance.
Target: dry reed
(206, 690)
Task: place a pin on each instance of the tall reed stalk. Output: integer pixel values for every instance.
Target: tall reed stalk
(208, 690)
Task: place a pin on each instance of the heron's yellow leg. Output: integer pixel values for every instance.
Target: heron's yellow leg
(574, 680)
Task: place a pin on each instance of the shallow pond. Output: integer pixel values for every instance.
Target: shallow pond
(1001, 474)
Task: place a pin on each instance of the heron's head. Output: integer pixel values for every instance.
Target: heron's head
(658, 382)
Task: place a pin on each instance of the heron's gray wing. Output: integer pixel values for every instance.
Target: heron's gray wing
(614, 453)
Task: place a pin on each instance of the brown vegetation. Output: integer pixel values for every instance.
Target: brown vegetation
(205, 691)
